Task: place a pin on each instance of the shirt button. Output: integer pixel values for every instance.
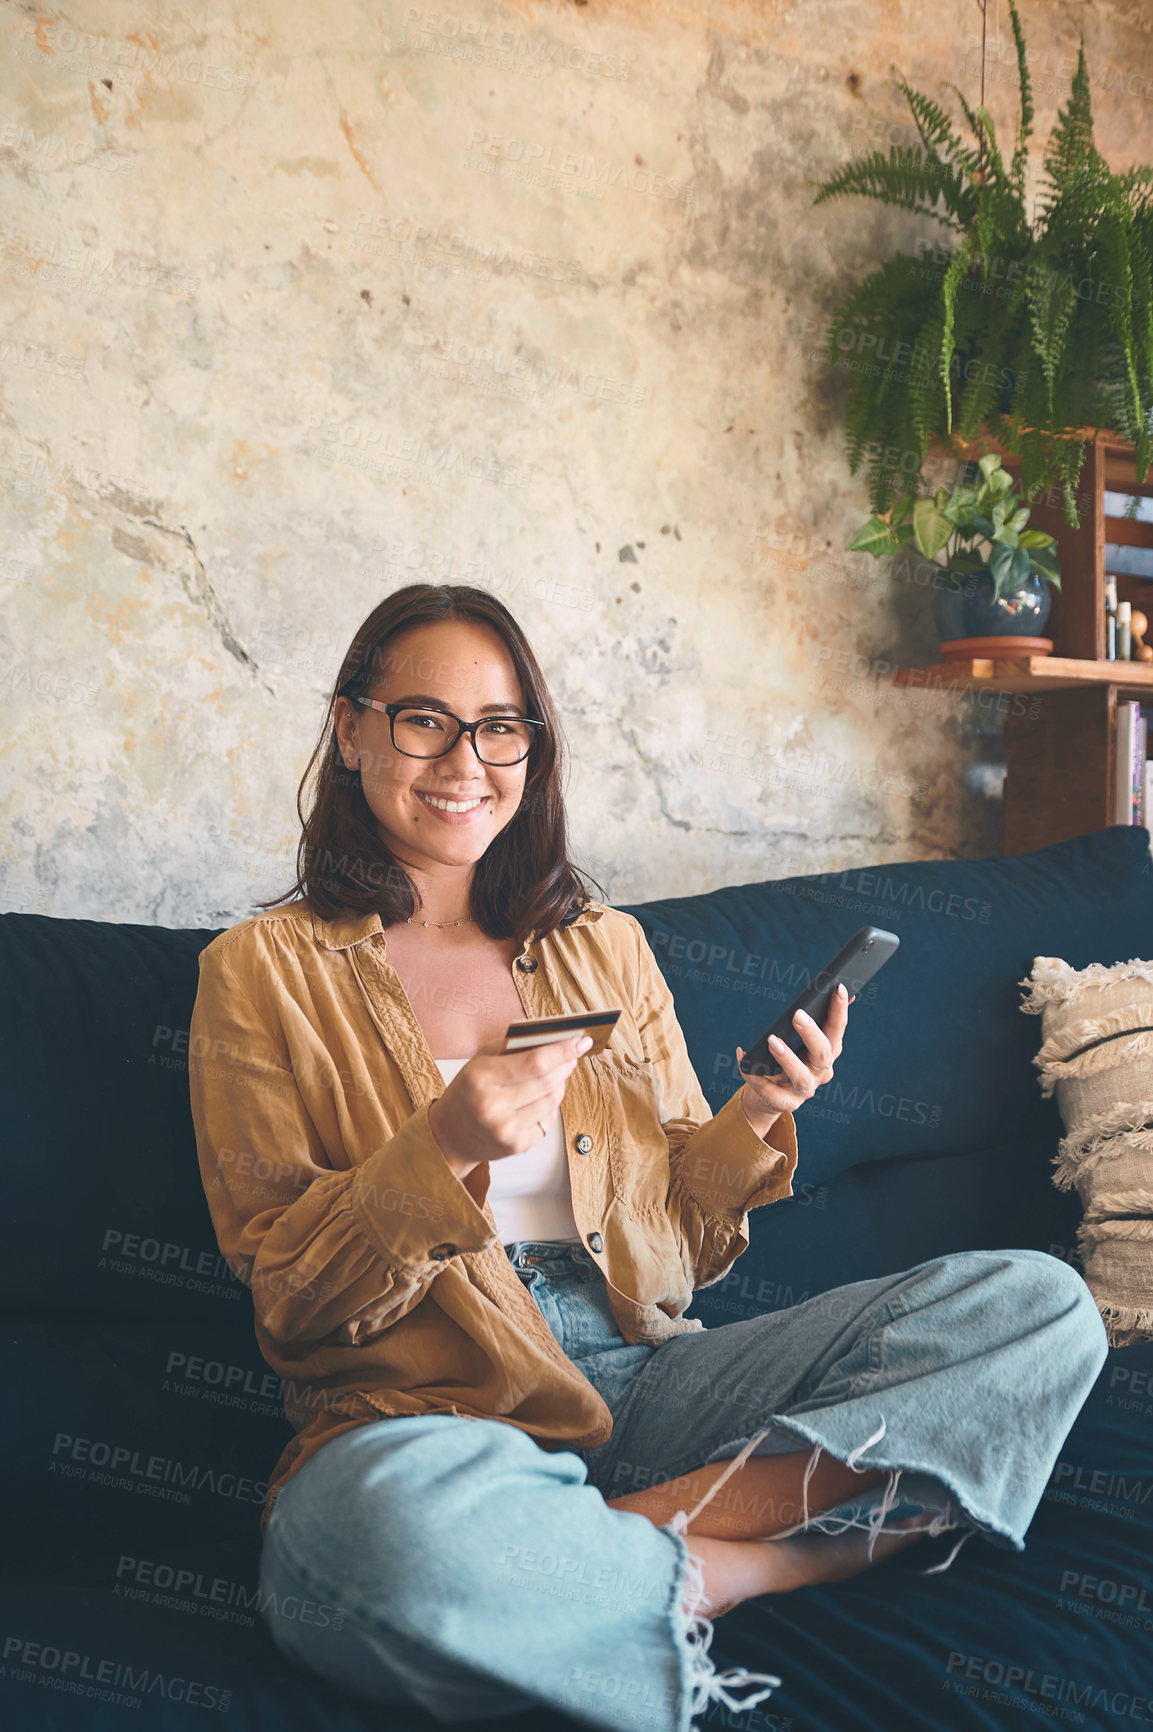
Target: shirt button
(596, 1243)
(526, 964)
(440, 1253)
(584, 1144)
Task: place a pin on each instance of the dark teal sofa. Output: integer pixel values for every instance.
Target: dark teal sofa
(142, 1422)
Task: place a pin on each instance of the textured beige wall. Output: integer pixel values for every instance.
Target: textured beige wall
(300, 302)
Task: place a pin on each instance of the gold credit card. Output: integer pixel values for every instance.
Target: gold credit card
(544, 1030)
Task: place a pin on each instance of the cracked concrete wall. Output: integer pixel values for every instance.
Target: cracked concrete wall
(301, 302)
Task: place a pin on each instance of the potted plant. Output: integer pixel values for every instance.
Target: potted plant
(981, 596)
(1041, 335)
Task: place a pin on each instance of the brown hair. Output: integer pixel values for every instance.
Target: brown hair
(524, 881)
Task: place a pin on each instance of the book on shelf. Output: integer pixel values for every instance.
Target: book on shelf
(1143, 804)
(1129, 780)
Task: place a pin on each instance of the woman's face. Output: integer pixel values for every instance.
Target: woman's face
(455, 665)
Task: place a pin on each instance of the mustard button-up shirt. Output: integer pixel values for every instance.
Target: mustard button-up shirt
(379, 1282)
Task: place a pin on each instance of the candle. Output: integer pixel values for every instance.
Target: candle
(1124, 609)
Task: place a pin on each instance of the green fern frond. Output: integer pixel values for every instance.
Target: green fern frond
(988, 229)
(1142, 264)
(1025, 123)
(1069, 465)
(1132, 178)
(1113, 242)
(935, 127)
(958, 267)
(856, 444)
(1052, 300)
(988, 156)
(982, 372)
(905, 178)
(927, 390)
(1034, 453)
(1000, 177)
(897, 291)
(1071, 145)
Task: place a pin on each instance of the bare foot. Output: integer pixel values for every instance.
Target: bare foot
(737, 1570)
(807, 1558)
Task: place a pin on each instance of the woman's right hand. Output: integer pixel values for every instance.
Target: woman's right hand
(492, 1106)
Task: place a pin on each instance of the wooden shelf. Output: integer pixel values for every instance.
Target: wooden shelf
(1060, 742)
(1025, 674)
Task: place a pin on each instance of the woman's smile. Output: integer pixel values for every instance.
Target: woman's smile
(453, 811)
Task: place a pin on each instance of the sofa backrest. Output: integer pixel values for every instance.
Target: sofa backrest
(937, 1055)
(105, 1212)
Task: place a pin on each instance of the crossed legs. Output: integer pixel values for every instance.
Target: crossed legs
(735, 1539)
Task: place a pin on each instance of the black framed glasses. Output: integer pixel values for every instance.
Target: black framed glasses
(419, 733)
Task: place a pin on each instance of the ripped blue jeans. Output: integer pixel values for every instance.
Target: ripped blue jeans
(475, 1573)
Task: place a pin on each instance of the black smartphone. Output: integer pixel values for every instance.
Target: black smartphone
(866, 951)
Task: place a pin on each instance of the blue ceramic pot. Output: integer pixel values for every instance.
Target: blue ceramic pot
(964, 607)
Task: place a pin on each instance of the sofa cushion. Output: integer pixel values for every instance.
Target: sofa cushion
(937, 1056)
(134, 1433)
(104, 1205)
(884, 1216)
(1097, 1056)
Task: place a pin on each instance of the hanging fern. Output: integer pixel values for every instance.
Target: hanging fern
(1031, 330)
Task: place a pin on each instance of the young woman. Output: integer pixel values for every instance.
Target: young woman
(521, 1475)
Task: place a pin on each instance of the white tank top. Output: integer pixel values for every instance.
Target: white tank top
(529, 1194)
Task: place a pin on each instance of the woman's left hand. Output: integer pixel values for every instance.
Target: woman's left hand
(765, 1098)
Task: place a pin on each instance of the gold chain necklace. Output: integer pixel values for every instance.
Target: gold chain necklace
(438, 923)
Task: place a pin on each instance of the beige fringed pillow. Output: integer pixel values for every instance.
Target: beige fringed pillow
(1097, 1053)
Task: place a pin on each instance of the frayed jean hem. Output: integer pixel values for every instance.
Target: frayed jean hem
(694, 1631)
(702, 1684)
(930, 1492)
(958, 1504)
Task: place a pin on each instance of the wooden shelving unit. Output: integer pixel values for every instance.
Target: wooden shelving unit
(1026, 673)
(1060, 751)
